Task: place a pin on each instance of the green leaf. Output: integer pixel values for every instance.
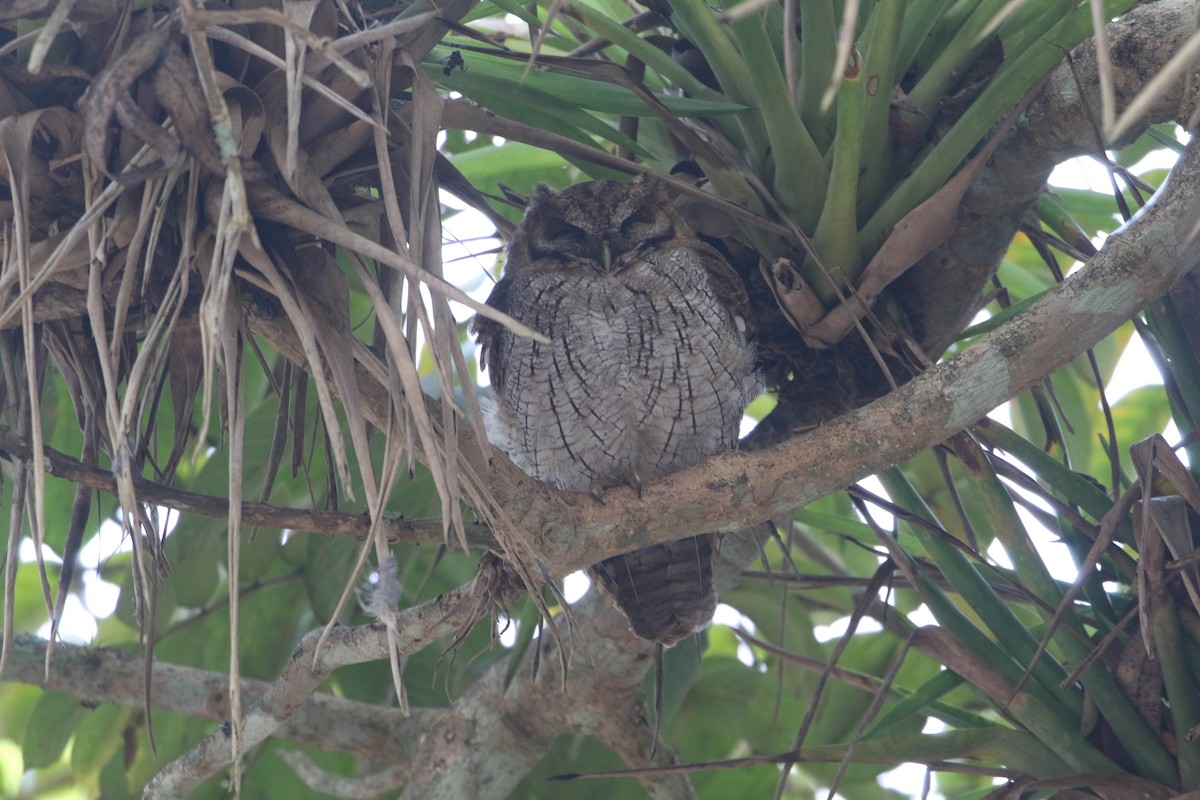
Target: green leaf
(1094, 212)
(200, 544)
(818, 53)
(513, 164)
(605, 26)
(1156, 138)
(269, 619)
(526, 625)
(799, 176)
(1017, 750)
(54, 720)
(98, 738)
(506, 75)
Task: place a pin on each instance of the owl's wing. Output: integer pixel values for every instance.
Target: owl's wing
(726, 284)
(490, 335)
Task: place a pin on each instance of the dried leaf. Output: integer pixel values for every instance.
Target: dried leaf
(99, 103)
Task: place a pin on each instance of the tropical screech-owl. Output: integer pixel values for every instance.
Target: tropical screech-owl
(647, 372)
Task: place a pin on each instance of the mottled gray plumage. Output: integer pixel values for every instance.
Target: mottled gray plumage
(648, 371)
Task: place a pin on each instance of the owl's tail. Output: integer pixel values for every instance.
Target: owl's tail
(666, 590)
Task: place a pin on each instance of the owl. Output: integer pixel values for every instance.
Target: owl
(647, 371)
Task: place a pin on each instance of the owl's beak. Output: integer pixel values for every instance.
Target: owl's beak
(606, 255)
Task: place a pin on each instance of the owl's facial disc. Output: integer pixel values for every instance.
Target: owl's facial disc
(605, 223)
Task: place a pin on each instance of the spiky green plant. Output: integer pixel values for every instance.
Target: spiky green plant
(835, 122)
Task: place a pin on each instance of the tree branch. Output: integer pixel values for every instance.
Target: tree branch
(102, 675)
(338, 523)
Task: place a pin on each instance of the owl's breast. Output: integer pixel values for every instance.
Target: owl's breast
(645, 374)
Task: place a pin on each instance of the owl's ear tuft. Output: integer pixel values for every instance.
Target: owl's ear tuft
(541, 192)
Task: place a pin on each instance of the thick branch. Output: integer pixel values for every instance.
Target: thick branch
(511, 726)
(492, 737)
(101, 675)
(485, 744)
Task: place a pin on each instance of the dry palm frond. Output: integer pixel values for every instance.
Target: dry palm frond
(224, 166)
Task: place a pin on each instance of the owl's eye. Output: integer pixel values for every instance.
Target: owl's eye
(564, 233)
(646, 225)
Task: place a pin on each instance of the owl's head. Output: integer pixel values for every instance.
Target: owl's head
(595, 222)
